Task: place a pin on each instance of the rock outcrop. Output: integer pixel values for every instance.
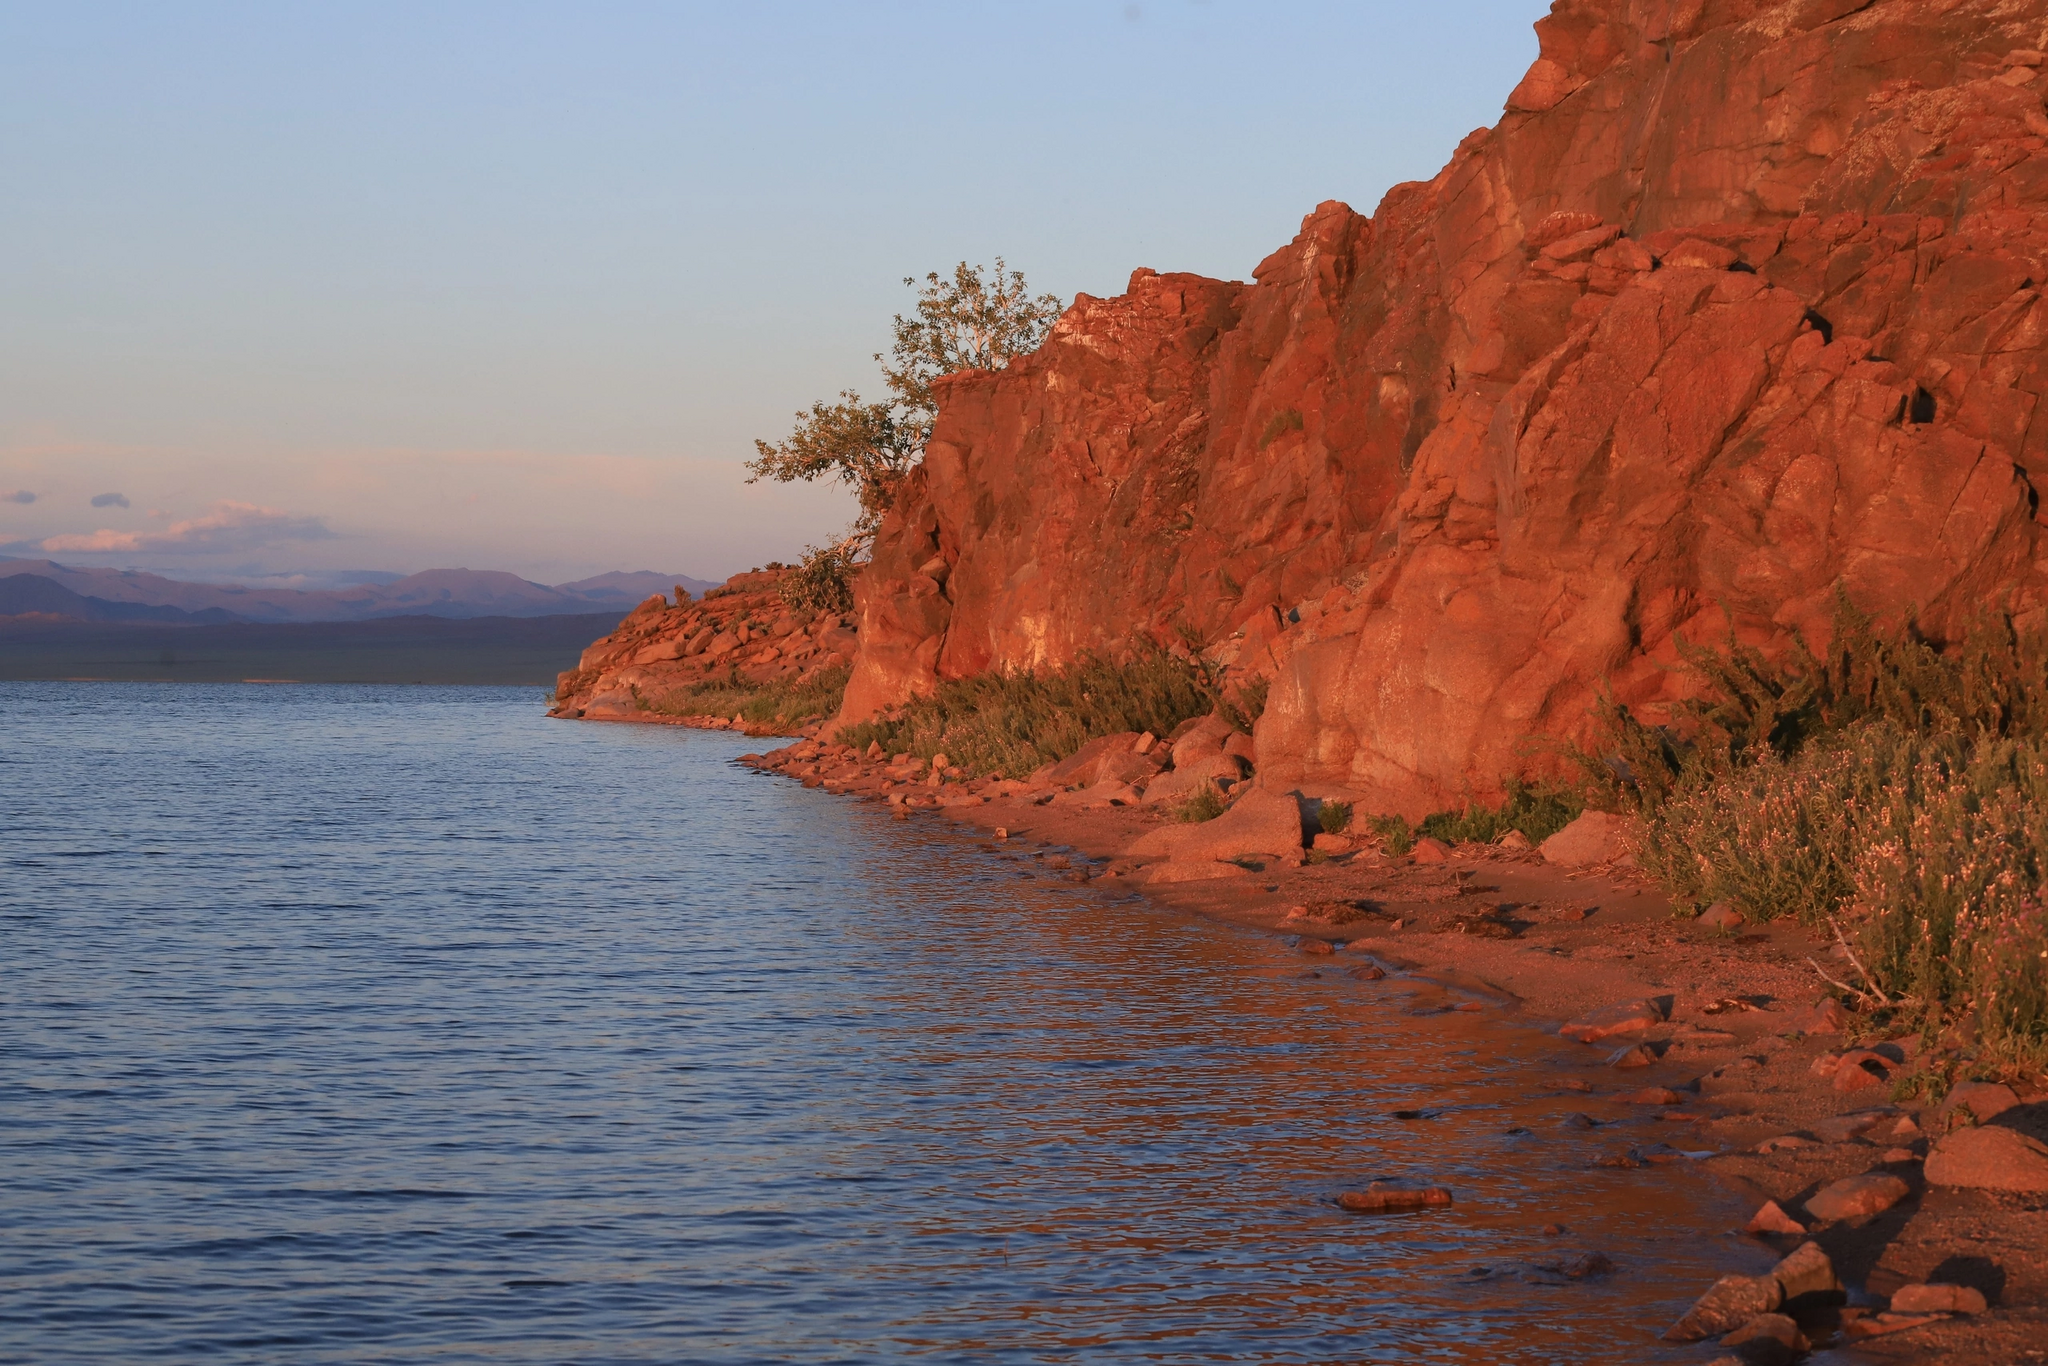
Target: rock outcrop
(1737, 304)
(741, 630)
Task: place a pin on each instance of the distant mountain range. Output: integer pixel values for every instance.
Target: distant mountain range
(46, 588)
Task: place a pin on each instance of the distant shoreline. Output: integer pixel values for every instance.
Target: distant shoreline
(479, 651)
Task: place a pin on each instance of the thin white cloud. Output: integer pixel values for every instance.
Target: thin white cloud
(229, 528)
(18, 496)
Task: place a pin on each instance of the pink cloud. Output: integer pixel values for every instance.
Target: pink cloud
(230, 527)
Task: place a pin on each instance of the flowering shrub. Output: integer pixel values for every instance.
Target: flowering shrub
(1895, 789)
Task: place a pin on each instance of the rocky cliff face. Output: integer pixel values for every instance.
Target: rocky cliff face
(740, 633)
(1737, 303)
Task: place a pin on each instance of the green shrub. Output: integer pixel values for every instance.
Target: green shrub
(1538, 812)
(1246, 704)
(1396, 835)
(782, 705)
(1012, 724)
(1285, 421)
(1205, 803)
(1334, 817)
(822, 582)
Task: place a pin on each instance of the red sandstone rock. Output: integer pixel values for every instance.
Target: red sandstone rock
(1724, 313)
(1856, 1196)
(1771, 1218)
(1595, 837)
(1989, 1158)
(1631, 1017)
(1936, 1298)
(1261, 823)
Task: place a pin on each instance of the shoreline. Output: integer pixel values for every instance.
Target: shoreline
(1732, 1059)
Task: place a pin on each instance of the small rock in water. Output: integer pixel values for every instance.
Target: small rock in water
(1768, 1340)
(1856, 1196)
(1002, 832)
(1773, 1219)
(1380, 1198)
(1631, 1017)
(1553, 1230)
(1576, 1084)
(1371, 972)
(1635, 1055)
(1937, 1298)
(1310, 945)
(1575, 1120)
(1653, 1095)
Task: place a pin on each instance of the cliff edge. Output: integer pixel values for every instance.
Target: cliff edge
(1737, 304)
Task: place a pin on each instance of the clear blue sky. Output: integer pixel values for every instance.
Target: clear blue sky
(514, 285)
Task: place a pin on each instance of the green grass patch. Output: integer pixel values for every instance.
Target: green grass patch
(1334, 817)
(782, 705)
(1205, 803)
(1538, 812)
(1014, 723)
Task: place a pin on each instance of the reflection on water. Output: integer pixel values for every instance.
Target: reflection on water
(380, 1024)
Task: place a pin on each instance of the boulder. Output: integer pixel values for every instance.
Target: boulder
(1182, 782)
(1260, 823)
(1084, 766)
(1428, 850)
(1595, 837)
(1989, 1157)
(1855, 1197)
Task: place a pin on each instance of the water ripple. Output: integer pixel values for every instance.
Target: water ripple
(399, 1024)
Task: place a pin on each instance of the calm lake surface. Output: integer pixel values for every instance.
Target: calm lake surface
(362, 1024)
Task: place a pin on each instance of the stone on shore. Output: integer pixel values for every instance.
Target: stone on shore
(1768, 1340)
(1428, 850)
(1635, 1055)
(1771, 1218)
(1857, 1196)
(1260, 823)
(1937, 1298)
(1190, 871)
(1732, 1302)
(1595, 837)
(1631, 1017)
(1985, 1100)
(1807, 1270)
(1990, 1157)
(1721, 916)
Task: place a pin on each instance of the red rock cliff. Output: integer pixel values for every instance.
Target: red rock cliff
(1737, 303)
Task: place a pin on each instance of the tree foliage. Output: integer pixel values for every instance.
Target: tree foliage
(973, 320)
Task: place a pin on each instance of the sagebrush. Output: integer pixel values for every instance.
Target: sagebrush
(1892, 785)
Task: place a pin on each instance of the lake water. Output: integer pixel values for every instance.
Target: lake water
(404, 1025)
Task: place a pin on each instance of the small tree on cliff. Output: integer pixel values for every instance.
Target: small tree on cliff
(968, 322)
